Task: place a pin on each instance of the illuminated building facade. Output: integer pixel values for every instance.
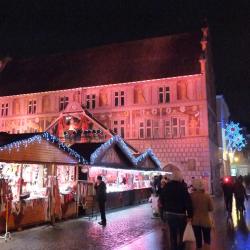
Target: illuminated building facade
(156, 93)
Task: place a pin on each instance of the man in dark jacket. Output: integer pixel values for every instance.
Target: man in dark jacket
(101, 196)
(228, 188)
(178, 209)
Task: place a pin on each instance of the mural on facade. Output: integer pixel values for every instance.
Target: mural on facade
(139, 97)
(16, 107)
(46, 104)
(182, 90)
(103, 98)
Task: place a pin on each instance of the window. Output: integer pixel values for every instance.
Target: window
(156, 133)
(141, 130)
(4, 110)
(32, 107)
(168, 128)
(119, 98)
(148, 128)
(63, 102)
(175, 127)
(90, 101)
(182, 128)
(119, 127)
(164, 95)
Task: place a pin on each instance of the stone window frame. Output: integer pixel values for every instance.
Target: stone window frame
(164, 94)
(32, 106)
(118, 126)
(91, 100)
(4, 109)
(63, 102)
(119, 98)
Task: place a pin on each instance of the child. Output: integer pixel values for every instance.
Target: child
(154, 200)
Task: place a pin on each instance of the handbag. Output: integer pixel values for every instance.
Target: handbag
(188, 233)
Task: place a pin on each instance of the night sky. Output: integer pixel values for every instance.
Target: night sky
(29, 28)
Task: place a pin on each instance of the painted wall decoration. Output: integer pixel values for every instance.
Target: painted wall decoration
(103, 98)
(139, 97)
(16, 106)
(182, 90)
(46, 104)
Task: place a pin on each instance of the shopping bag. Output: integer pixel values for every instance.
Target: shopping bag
(188, 233)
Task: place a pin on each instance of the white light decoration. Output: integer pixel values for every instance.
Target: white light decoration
(104, 147)
(38, 138)
(236, 140)
(136, 161)
(148, 153)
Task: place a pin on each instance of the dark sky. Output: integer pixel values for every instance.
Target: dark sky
(29, 28)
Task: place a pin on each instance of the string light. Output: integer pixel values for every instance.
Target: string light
(148, 153)
(37, 139)
(136, 161)
(98, 153)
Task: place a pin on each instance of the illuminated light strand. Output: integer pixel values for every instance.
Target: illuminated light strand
(148, 153)
(236, 140)
(104, 147)
(38, 138)
(125, 149)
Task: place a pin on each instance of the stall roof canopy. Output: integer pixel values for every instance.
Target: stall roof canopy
(148, 160)
(152, 58)
(116, 153)
(36, 148)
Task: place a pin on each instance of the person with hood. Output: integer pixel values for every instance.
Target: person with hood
(178, 209)
(101, 196)
(201, 221)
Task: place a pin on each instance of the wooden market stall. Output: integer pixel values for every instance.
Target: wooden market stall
(128, 178)
(42, 174)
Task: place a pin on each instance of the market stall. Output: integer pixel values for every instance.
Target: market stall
(42, 174)
(128, 178)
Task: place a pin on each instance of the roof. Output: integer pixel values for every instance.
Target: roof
(6, 138)
(8, 142)
(146, 59)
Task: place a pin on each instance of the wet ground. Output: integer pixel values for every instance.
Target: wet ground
(130, 228)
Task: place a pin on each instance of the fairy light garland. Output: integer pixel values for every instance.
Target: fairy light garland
(148, 153)
(38, 138)
(104, 147)
(122, 145)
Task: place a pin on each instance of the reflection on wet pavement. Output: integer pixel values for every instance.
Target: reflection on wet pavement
(131, 228)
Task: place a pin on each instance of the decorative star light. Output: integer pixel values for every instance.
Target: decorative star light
(236, 140)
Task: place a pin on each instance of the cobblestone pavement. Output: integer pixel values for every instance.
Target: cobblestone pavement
(130, 228)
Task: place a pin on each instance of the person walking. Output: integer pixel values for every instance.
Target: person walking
(240, 195)
(228, 189)
(201, 221)
(101, 197)
(178, 209)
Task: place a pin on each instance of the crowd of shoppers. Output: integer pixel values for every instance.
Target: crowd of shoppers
(180, 204)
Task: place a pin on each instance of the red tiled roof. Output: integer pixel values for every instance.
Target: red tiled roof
(145, 59)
